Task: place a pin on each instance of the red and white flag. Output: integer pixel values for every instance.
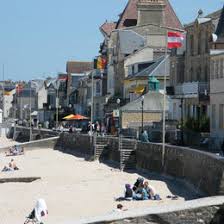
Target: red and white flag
(175, 40)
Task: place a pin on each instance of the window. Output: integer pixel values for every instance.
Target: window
(199, 42)
(98, 88)
(192, 44)
(221, 68)
(221, 114)
(212, 69)
(214, 116)
(97, 110)
(130, 22)
(216, 74)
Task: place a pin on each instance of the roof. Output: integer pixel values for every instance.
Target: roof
(220, 28)
(131, 12)
(216, 52)
(156, 69)
(153, 102)
(212, 16)
(78, 66)
(108, 27)
(130, 41)
(27, 93)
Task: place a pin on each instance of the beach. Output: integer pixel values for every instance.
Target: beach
(72, 187)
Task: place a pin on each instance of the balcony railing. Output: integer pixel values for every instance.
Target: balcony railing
(192, 88)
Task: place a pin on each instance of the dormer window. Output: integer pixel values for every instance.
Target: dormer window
(130, 22)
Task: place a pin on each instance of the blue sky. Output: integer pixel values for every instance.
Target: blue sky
(38, 37)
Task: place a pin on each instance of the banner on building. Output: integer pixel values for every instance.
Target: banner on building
(100, 63)
(175, 40)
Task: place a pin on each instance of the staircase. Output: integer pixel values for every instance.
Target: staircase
(99, 144)
(127, 150)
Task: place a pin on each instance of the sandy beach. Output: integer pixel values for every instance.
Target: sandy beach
(72, 187)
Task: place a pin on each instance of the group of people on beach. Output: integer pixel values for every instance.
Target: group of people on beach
(10, 167)
(141, 190)
(13, 151)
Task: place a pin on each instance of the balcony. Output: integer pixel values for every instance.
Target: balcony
(193, 90)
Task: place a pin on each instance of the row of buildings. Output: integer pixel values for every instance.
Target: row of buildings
(135, 64)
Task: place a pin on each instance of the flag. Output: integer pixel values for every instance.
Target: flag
(100, 63)
(175, 40)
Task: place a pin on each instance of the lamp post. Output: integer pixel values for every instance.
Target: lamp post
(30, 113)
(119, 118)
(142, 101)
(70, 107)
(182, 121)
(92, 106)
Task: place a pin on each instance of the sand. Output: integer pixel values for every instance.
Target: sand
(72, 187)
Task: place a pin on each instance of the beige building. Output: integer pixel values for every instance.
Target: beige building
(132, 116)
(190, 67)
(217, 84)
(217, 95)
(141, 24)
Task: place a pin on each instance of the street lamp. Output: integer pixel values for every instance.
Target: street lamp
(142, 101)
(119, 118)
(70, 107)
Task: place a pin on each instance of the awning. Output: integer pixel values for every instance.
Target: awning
(137, 90)
(68, 117)
(75, 117)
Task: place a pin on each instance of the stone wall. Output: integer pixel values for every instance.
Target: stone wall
(23, 134)
(74, 143)
(203, 170)
(39, 144)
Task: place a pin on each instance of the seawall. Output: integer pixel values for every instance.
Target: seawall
(201, 169)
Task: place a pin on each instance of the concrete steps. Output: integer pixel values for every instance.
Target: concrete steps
(127, 154)
(100, 144)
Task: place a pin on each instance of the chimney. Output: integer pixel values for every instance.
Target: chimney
(151, 12)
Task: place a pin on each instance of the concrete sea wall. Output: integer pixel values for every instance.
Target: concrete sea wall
(23, 134)
(201, 169)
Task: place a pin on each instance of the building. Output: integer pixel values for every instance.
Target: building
(137, 81)
(75, 71)
(132, 116)
(190, 68)
(139, 26)
(217, 85)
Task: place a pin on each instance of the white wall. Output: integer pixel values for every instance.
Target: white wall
(143, 55)
(42, 97)
(8, 103)
(0, 116)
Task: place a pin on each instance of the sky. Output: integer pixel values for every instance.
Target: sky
(38, 37)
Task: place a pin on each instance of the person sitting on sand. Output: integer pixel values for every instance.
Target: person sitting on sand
(7, 169)
(128, 192)
(151, 191)
(15, 151)
(139, 182)
(13, 165)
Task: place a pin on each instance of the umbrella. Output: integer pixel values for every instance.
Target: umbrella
(77, 117)
(69, 117)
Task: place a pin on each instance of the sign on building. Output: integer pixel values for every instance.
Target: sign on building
(116, 113)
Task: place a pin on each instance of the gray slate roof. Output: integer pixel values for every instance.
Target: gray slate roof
(130, 41)
(157, 69)
(153, 102)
